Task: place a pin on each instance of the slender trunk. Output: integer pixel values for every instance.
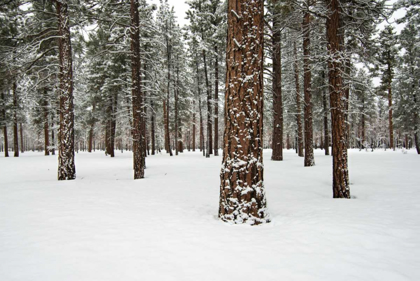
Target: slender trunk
(22, 147)
(201, 127)
(52, 135)
(3, 115)
(176, 109)
(209, 141)
(193, 130)
(216, 103)
(137, 97)
(287, 141)
(153, 128)
(298, 112)
(391, 129)
(325, 113)
(341, 187)
(92, 126)
(168, 49)
(165, 127)
(46, 128)
(277, 144)
(15, 122)
(242, 192)
(309, 149)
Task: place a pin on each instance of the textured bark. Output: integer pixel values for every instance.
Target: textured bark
(341, 187)
(3, 115)
(298, 111)
(216, 103)
(242, 192)
(137, 99)
(309, 149)
(277, 144)
(22, 147)
(325, 113)
(52, 135)
(209, 141)
(46, 128)
(15, 122)
(66, 165)
(201, 127)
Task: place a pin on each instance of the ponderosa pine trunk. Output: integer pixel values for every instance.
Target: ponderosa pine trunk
(137, 99)
(216, 102)
(15, 122)
(46, 128)
(152, 125)
(22, 147)
(242, 192)
(277, 144)
(209, 141)
(341, 188)
(193, 129)
(391, 127)
(307, 89)
(325, 116)
(3, 115)
(66, 164)
(298, 110)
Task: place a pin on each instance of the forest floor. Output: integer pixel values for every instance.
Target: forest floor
(106, 226)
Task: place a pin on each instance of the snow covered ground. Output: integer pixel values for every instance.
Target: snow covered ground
(106, 226)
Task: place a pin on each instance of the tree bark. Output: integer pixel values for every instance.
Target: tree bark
(216, 103)
(193, 129)
(152, 133)
(176, 110)
(309, 148)
(242, 192)
(66, 165)
(325, 113)
(341, 187)
(137, 98)
(391, 127)
(22, 147)
(15, 122)
(209, 125)
(46, 128)
(277, 144)
(3, 115)
(298, 112)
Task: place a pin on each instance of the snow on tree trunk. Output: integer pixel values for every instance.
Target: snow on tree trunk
(298, 112)
(277, 94)
(15, 122)
(242, 192)
(216, 103)
(341, 187)
(137, 100)
(66, 165)
(309, 149)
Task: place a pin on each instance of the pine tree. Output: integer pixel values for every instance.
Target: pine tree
(242, 193)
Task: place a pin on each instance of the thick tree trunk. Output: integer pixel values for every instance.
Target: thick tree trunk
(3, 115)
(325, 113)
(341, 187)
(242, 192)
(298, 112)
(277, 144)
(137, 98)
(46, 128)
(309, 149)
(209, 141)
(66, 165)
(15, 122)
(216, 103)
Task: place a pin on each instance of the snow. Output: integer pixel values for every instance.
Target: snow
(106, 226)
